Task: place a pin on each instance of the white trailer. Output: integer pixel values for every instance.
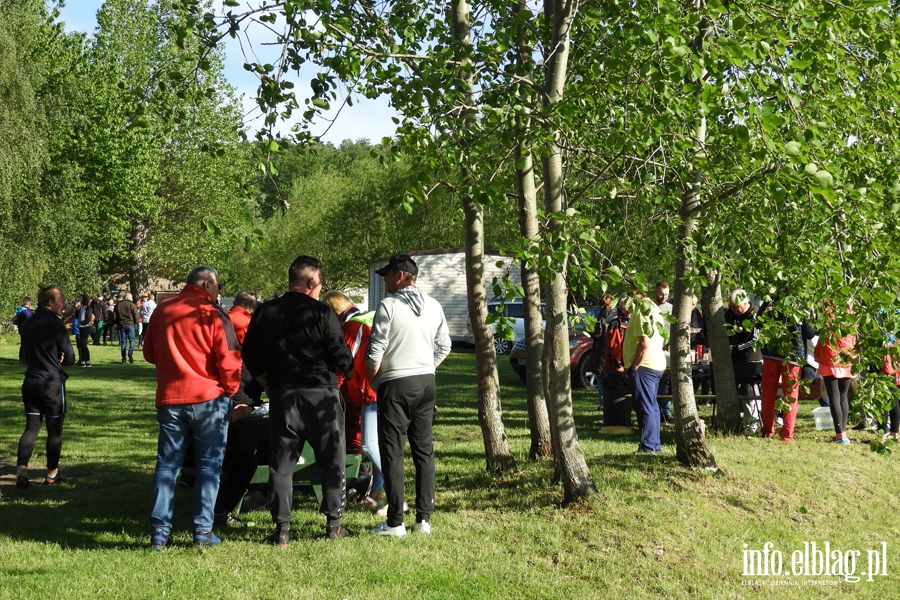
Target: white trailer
(442, 275)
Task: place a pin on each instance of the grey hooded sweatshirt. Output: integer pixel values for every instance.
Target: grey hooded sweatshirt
(409, 336)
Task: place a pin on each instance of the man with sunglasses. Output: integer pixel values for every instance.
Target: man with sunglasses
(192, 342)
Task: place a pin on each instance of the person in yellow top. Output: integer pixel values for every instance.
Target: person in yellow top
(643, 354)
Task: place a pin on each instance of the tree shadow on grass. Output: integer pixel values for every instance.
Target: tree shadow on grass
(103, 506)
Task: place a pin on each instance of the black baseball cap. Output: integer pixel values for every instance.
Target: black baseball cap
(399, 262)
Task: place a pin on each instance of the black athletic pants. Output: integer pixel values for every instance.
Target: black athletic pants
(892, 417)
(406, 407)
(43, 401)
(83, 340)
(837, 390)
(314, 415)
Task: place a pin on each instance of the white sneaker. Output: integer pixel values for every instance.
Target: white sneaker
(382, 512)
(385, 529)
(423, 527)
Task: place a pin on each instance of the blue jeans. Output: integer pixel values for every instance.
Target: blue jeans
(207, 422)
(370, 443)
(644, 386)
(126, 334)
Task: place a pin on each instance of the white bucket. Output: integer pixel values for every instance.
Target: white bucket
(822, 415)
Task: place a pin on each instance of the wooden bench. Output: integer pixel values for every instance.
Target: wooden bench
(306, 472)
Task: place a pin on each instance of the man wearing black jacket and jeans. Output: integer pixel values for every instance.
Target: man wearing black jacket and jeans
(293, 346)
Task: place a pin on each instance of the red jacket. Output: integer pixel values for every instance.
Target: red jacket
(357, 328)
(240, 317)
(834, 357)
(192, 342)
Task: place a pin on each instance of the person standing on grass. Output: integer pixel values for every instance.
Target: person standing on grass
(85, 316)
(245, 435)
(834, 354)
(643, 353)
(784, 369)
(98, 306)
(294, 346)
(358, 391)
(192, 342)
(127, 317)
(409, 340)
(146, 311)
(45, 350)
(23, 312)
(745, 358)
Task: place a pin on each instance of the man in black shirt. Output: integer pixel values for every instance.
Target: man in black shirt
(45, 350)
(293, 346)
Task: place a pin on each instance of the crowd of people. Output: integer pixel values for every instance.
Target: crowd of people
(337, 378)
(334, 376)
(629, 350)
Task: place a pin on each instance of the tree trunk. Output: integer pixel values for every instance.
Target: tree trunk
(571, 467)
(728, 409)
(538, 420)
(490, 415)
(690, 442)
(138, 273)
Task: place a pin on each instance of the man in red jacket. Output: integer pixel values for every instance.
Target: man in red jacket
(192, 342)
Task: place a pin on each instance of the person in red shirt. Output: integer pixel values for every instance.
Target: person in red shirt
(248, 436)
(358, 392)
(192, 342)
(835, 354)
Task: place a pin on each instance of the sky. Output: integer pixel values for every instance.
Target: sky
(365, 119)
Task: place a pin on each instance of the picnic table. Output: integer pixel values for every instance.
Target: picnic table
(306, 472)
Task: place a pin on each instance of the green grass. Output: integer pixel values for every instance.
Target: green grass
(654, 529)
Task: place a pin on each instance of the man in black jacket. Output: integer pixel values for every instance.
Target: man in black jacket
(740, 322)
(127, 318)
(293, 346)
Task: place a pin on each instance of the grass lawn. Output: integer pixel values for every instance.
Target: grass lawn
(654, 529)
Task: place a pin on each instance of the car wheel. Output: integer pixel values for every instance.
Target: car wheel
(502, 346)
(586, 377)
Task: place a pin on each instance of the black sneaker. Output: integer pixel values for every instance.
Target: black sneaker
(336, 532)
(130, 358)
(280, 537)
(22, 482)
(227, 520)
(158, 541)
(206, 538)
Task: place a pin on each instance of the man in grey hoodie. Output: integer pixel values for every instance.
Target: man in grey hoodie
(409, 340)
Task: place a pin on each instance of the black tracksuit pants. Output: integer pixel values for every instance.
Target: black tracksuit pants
(314, 415)
(406, 408)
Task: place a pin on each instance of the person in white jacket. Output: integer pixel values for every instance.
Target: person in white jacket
(409, 340)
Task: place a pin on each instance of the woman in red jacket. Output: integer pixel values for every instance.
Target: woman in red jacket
(358, 392)
(833, 354)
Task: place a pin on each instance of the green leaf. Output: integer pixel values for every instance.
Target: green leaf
(824, 178)
(792, 148)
